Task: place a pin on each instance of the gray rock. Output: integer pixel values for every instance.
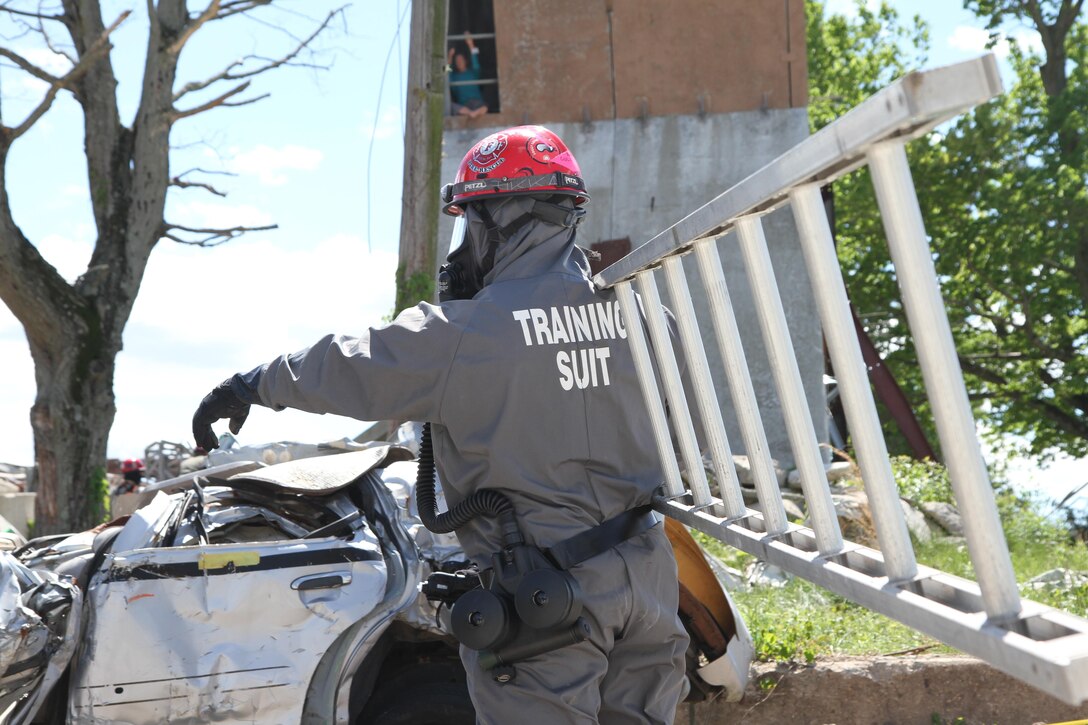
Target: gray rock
(854, 515)
(761, 574)
(837, 471)
(852, 506)
(793, 511)
(840, 470)
(1059, 579)
(731, 579)
(945, 515)
(744, 471)
(916, 523)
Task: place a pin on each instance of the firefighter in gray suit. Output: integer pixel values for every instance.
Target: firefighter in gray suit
(526, 377)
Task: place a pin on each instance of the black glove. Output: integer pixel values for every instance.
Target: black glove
(230, 399)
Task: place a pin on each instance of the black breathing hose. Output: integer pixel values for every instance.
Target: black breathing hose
(486, 501)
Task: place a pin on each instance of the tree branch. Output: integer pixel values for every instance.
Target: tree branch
(180, 182)
(192, 26)
(981, 372)
(28, 122)
(1029, 330)
(269, 63)
(55, 49)
(237, 7)
(1062, 418)
(97, 50)
(996, 356)
(220, 100)
(224, 75)
(1067, 14)
(27, 14)
(1033, 9)
(31, 287)
(39, 27)
(212, 237)
(36, 71)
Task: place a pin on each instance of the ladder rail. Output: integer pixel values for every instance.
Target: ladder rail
(906, 109)
(743, 394)
(1044, 647)
(787, 382)
(943, 377)
(822, 262)
(1039, 645)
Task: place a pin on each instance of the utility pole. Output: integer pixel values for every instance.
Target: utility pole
(424, 110)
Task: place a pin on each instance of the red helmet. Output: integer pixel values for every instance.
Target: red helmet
(515, 162)
(132, 464)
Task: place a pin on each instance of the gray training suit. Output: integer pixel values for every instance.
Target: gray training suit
(531, 389)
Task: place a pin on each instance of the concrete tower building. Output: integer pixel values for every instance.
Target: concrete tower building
(666, 104)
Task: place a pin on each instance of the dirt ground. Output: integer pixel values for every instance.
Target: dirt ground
(909, 690)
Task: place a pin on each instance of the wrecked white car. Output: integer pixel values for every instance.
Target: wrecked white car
(286, 593)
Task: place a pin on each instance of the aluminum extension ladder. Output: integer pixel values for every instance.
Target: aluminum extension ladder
(1037, 644)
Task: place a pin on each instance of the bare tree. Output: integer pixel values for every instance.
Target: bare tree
(74, 330)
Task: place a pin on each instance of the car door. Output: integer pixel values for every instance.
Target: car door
(225, 632)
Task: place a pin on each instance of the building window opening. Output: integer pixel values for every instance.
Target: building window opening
(470, 54)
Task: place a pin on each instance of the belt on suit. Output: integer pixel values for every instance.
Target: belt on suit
(602, 537)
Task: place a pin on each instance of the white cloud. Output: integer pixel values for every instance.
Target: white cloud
(974, 40)
(388, 125)
(270, 164)
(210, 215)
(203, 314)
(1028, 40)
(53, 63)
(69, 256)
(971, 39)
(16, 396)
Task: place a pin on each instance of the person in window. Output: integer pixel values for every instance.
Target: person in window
(467, 99)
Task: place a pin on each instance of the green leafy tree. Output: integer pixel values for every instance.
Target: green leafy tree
(1003, 193)
(1022, 238)
(849, 59)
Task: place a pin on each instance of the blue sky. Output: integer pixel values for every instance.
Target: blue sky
(322, 158)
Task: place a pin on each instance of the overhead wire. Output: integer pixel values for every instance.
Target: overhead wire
(400, 81)
(394, 43)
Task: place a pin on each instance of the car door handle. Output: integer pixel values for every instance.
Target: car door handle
(321, 581)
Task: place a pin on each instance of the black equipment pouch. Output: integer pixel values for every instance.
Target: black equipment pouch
(530, 604)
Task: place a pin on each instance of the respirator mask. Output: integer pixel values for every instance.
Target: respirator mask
(457, 279)
(477, 236)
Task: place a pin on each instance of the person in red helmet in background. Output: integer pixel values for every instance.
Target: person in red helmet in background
(525, 374)
(132, 474)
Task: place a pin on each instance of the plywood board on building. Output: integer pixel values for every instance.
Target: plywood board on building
(563, 61)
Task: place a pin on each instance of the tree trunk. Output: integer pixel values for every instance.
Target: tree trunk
(71, 418)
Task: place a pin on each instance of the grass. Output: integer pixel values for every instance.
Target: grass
(801, 621)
